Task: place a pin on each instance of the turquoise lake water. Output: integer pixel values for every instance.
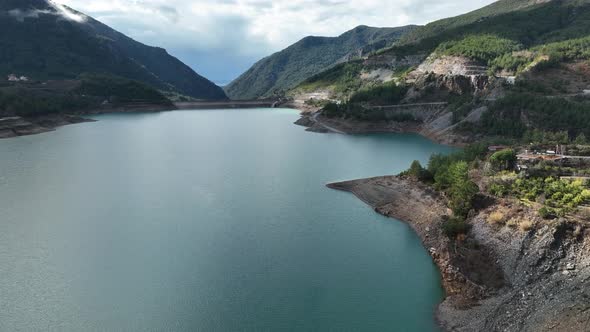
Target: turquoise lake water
(206, 221)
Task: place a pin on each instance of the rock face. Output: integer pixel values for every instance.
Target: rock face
(456, 75)
(546, 291)
(451, 65)
(498, 278)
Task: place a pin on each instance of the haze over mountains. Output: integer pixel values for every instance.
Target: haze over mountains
(45, 40)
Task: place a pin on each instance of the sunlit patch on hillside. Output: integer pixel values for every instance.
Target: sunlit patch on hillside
(58, 10)
(68, 13)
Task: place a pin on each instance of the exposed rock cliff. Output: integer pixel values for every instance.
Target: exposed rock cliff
(498, 278)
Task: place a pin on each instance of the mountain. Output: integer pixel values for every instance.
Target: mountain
(524, 22)
(287, 68)
(478, 16)
(513, 69)
(45, 40)
(489, 37)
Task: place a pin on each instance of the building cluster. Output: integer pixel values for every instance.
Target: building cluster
(15, 78)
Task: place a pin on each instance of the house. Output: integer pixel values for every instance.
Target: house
(14, 78)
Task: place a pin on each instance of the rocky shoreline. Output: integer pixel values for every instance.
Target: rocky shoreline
(497, 278)
(15, 126)
(19, 126)
(435, 131)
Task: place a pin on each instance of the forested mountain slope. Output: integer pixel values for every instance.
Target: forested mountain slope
(44, 40)
(283, 70)
(503, 70)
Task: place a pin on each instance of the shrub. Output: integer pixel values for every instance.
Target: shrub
(498, 189)
(547, 213)
(386, 93)
(417, 171)
(462, 190)
(454, 227)
(332, 110)
(484, 48)
(504, 160)
(562, 117)
(581, 139)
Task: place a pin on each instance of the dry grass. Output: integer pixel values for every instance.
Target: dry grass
(512, 223)
(497, 218)
(525, 225)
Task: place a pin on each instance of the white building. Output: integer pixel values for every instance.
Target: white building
(14, 78)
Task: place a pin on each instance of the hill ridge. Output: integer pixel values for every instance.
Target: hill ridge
(301, 60)
(45, 40)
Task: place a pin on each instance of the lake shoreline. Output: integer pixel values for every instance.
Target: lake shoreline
(16, 126)
(11, 127)
(314, 121)
(421, 208)
(181, 211)
(486, 281)
(486, 275)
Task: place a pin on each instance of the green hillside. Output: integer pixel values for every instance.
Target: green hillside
(492, 36)
(88, 92)
(284, 70)
(38, 41)
(524, 22)
(546, 44)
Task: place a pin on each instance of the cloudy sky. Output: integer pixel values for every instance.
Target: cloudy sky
(221, 38)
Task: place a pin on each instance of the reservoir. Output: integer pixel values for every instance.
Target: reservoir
(206, 221)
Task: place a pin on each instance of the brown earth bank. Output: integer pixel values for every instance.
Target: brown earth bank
(499, 277)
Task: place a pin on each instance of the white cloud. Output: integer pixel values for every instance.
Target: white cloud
(58, 10)
(254, 28)
(259, 26)
(67, 14)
